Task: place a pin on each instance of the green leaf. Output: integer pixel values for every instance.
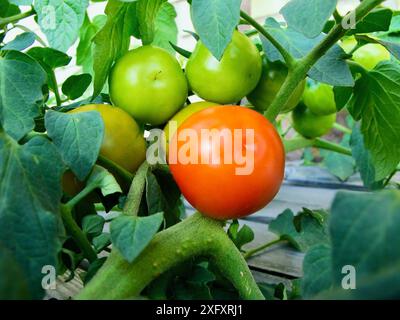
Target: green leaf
(364, 232)
(7, 9)
(84, 51)
(101, 242)
(342, 96)
(78, 138)
(240, 237)
(13, 282)
(376, 101)
(331, 68)
(21, 2)
(308, 16)
(112, 41)
(310, 233)
(60, 20)
(30, 224)
(21, 42)
(93, 268)
(93, 225)
(104, 180)
(147, 12)
(317, 269)
(165, 29)
(341, 166)
(131, 235)
(76, 85)
(215, 21)
(364, 160)
(377, 20)
(21, 82)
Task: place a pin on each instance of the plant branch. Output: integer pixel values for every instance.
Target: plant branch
(77, 234)
(16, 18)
(80, 196)
(341, 128)
(254, 251)
(135, 194)
(123, 173)
(290, 61)
(304, 65)
(195, 236)
(327, 145)
(301, 143)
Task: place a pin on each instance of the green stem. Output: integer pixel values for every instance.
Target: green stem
(55, 89)
(136, 190)
(38, 39)
(303, 66)
(77, 234)
(126, 175)
(297, 144)
(327, 145)
(341, 128)
(252, 252)
(195, 236)
(337, 16)
(290, 61)
(80, 196)
(16, 18)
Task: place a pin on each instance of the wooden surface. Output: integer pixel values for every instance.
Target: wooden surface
(279, 263)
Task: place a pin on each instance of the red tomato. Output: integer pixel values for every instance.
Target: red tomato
(224, 189)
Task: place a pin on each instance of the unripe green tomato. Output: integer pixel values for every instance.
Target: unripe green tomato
(368, 55)
(185, 113)
(149, 84)
(229, 80)
(319, 98)
(272, 78)
(310, 125)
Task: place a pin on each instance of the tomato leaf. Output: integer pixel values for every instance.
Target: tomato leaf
(214, 22)
(101, 242)
(131, 235)
(377, 20)
(21, 2)
(310, 230)
(147, 12)
(76, 85)
(21, 82)
(308, 16)
(317, 269)
(241, 236)
(376, 102)
(30, 224)
(331, 68)
(78, 138)
(364, 160)
(165, 29)
(104, 180)
(21, 42)
(8, 9)
(112, 41)
(93, 225)
(61, 20)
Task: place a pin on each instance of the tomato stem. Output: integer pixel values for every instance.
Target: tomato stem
(136, 190)
(126, 175)
(16, 18)
(331, 146)
(301, 143)
(77, 234)
(303, 66)
(341, 128)
(290, 61)
(195, 236)
(254, 251)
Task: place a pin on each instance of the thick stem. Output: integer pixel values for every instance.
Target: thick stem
(56, 90)
(254, 251)
(77, 234)
(341, 128)
(195, 236)
(135, 194)
(301, 143)
(285, 54)
(16, 18)
(327, 145)
(304, 65)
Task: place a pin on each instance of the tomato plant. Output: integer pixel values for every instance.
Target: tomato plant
(84, 194)
(263, 153)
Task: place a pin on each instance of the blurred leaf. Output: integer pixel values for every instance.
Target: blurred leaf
(30, 224)
(61, 20)
(308, 16)
(378, 19)
(214, 22)
(104, 180)
(93, 225)
(241, 236)
(131, 235)
(78, 137)
(93, 268)
(21, 42)
(7, 9)
(76, 85)
(148, 11)
(101, 242)
(165, 29)
(23, 78)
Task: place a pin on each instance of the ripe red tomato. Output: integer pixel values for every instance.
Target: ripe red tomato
(220, 188)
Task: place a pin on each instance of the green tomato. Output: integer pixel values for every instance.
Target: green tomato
(368, 55)
(310, 125)
(272, 78)
(149, 84)
(319, 98)
(229, 80)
